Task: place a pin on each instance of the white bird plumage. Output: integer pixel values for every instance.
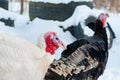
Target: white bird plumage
(22, 60)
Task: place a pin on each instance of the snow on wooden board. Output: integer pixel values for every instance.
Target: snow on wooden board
(58, 1)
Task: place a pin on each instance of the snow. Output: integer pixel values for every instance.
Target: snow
(58, 1)
(4, 14)
(77, 17)
(30, 30)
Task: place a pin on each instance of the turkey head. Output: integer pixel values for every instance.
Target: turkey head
(52, 42)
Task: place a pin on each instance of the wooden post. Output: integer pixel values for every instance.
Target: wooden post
(22, 7)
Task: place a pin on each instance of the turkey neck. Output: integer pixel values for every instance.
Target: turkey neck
(100, 31)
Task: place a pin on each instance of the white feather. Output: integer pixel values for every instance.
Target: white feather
(21, 60)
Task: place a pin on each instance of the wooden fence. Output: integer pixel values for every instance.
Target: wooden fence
(4, 4)
(52, 11)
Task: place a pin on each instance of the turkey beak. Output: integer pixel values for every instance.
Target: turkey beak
(62, 46)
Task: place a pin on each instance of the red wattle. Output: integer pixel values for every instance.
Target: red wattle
(104, 22)
(51, 51)
(50, 45)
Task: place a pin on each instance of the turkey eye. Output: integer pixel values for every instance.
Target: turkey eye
(56, 39)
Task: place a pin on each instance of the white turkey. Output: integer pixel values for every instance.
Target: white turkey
(21, 60)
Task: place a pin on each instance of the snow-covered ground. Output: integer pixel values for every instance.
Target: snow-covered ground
(30, 30)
